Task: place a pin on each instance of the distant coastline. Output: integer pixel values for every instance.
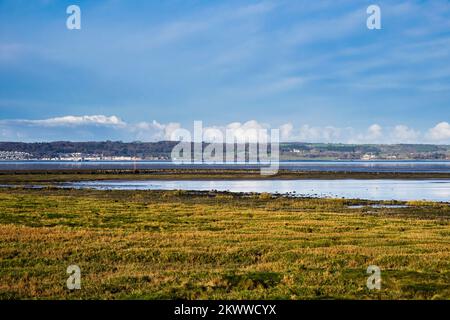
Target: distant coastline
(161, 151)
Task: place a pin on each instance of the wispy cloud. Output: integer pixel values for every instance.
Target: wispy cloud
(75, 121)
(312, 63)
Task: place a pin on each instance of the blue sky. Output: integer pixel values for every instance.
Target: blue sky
(138, 69)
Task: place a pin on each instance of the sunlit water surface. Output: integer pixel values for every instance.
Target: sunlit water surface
(432, 190)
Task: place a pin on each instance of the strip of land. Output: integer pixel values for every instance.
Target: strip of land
(52, 176)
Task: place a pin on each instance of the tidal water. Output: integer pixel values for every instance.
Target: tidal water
(307, 165)
(431, 190)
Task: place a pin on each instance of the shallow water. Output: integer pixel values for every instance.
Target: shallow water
(431, 190)
(306, 165)
(378, 206)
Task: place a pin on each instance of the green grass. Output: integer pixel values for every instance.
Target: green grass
(197, 245)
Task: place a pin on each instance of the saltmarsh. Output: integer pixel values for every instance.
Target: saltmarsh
(175, 244)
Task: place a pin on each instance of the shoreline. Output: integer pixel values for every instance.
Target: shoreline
(68, 179)
(52, 176)
(237, 194)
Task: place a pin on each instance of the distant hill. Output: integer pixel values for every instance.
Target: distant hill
(110, 150)
(58, 149)
(364, 151)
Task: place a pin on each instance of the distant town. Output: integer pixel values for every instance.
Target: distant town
(135, 151)
(76, 156)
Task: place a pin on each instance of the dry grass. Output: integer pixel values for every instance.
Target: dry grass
(164, 245)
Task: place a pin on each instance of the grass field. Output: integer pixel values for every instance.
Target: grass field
(174, 244)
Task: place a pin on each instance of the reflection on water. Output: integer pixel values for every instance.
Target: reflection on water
(306, 165)
(432, 190)
(378, 206)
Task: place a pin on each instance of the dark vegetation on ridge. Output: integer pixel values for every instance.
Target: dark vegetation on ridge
(288, 151)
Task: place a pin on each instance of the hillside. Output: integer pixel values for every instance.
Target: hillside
(116, 150)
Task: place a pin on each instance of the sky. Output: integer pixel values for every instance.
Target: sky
(137, 70)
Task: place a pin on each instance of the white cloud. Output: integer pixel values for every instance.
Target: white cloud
(286, 131)
(373, 134)
(251, 131)
(102, 127)
(440, 132)
(375, 131)
(78, 121)
(402, 133)
(307, 133)
(169, 128)
(153, 131)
